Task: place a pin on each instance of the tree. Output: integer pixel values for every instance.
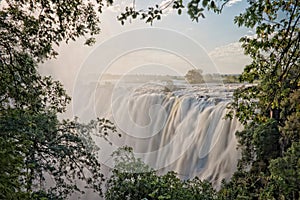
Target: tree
(281, 183)
(268, 106)
(30, 130)
(33, 27)
(10, 166)
(230, 79)
(275, 64)
(61, 151)
(194, 76)
(133, 179)
(285, 172)
(35, 145)
(195, 9)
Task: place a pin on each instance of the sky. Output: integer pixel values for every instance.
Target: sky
(170, 46)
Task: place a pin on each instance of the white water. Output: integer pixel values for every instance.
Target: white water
(182, 130)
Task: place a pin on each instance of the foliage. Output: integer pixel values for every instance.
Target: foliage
(37, 148)
(285, 172)
(290, 129)
(275, 53)
(194, 76)
(194, 8)
(230, 79)
(23, 88)
(53, 151)
(243, 185)
(259, 144)
(132, 179)
(281, 182)
(126, 162)
(33, 27)
(10, 166)
(36, 145)
(268, 106)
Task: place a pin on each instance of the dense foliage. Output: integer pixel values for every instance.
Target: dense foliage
(268, 106)
(42, 157)
(37, 148)
(132, 179)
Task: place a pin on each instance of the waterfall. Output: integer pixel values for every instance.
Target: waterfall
(182, 129)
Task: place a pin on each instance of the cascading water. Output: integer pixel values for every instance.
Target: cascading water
(182, 129)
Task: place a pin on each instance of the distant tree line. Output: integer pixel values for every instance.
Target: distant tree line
(196, 76)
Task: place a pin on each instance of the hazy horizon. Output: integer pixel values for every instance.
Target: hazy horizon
(170, 46)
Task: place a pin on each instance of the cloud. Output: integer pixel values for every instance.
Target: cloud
(232, 2)
(231, 49)
(229, 58)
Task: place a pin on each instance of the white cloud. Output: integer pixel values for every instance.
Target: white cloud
(232, 2)
(229, 58)
(227, 50)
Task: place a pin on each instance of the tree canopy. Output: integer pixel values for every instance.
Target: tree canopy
(194, 76)
(133, 179)
(268, 105)
(194, 8)
(36, 147)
